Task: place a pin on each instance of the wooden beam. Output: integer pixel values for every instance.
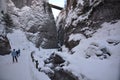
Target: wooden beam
(56, 7)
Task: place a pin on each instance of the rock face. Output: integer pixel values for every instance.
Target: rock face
(55, 60)
(54, 73)
(37, 21)
(5, 47)
(21, 3)
(86, 16)
(55, 66)
(63, 75)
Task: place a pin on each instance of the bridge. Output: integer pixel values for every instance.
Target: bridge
(56, 7)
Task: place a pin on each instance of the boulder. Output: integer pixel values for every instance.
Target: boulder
(5, 47)
(55, 59)
(63, 75)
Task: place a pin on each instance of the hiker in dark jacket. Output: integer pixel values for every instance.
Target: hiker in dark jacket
(14, 55)
(18, 52)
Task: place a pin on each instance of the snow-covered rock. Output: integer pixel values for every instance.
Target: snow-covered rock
(5, 47)
(37, 21)
(22, 3)
(90, 33)
(85, 17)
(96, 24)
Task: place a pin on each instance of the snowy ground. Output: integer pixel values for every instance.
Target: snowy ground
(94, 68)
(24, 69)
(15, 71)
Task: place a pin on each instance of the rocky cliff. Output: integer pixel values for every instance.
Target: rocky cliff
(5, 47)
(85, 17)
(36, 20)
(21, 3)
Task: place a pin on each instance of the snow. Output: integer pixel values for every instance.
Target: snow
(10, 71)
(71, 15)
(76, 37)
(81, 2)
(82, 17)
(60, 17)
(23, 70)
(25, 8)
(109, 30)
(93, 68)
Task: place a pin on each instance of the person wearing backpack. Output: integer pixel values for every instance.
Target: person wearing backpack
(18, 52)
(14, 55)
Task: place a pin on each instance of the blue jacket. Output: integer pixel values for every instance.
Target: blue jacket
(14, 53)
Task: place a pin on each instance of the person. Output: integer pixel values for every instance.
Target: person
(18, 52)
(14, 55)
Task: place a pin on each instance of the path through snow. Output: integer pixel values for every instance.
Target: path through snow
(20, 70)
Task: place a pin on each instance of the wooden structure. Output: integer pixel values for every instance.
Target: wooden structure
(56, 7)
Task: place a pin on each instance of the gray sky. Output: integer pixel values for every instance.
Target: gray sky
(58, 3)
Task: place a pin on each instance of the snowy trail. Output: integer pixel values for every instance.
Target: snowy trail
(16, 71)
(20, 70)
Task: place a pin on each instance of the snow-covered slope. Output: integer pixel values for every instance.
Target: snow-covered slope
(20, 70)
(92, 40)
(85, 68)
(95, 58)
(90, 30)
(23, 70)
(98, 67)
